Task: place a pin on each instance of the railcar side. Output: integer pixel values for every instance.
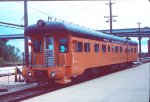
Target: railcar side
(100, 53)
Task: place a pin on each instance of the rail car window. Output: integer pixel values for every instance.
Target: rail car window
(135, 50)
(86, 47)
(108, 48)
(103, 48)
(112, 49)
(79, 46)
(63, 45)
(120, 49)
(125, 50)
(131, 50)
(37, 46)
(128, 50)
(96, 47)
(116, 49)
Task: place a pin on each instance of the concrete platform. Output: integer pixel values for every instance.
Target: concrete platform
(7, 80)
(8, 84)
(131, 85)
(9, 70)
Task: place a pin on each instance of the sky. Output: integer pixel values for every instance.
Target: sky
(86, 13)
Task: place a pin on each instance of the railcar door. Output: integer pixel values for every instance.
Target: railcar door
(49, 47)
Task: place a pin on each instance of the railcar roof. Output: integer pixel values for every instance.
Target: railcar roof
(75, 29)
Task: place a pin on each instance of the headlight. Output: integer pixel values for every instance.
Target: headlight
(53, 74)
(29, 73)
(40, 23)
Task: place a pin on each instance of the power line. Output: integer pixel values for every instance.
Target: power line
(10, 26)
(83, 9)
(39, 11)
(50, 17)
(33, 8)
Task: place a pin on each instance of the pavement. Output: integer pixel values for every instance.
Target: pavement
(130, 85)
(5, 81)
(9, 70)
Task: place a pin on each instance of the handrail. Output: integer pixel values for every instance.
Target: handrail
(59, 60)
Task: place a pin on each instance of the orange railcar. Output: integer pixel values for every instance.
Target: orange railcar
(61, 51)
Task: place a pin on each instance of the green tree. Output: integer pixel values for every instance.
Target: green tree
(9, 52)
(3, 46)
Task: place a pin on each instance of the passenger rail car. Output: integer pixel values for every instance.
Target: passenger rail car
(61, 51)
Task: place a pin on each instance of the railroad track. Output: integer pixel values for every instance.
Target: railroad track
(46, 88)
(36, 91)
(3, 75)
(29, 93)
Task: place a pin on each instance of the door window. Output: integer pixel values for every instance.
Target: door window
(49, 43)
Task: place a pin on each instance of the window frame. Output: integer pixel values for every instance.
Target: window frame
(77, 48)
(38, 48)
(116, 49)
(103, 48)
(120, 48)
(109, 49)
(131, 50)
(65, 44)
(86, 47)
(135, 50)
(96, 48)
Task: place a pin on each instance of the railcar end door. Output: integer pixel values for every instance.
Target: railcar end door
(49, 48)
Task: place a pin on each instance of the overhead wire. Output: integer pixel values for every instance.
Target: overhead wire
(83, 9)
(40, 11)
(51, 15)
(46, 14)
(11, 26)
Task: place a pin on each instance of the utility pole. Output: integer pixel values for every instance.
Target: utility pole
(110, 17)
(149, 46)
(139, 24)
(26, 38)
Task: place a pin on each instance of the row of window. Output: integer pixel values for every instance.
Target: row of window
(116, 49)
(63, 44)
